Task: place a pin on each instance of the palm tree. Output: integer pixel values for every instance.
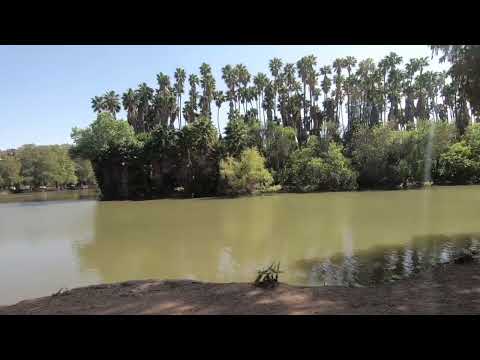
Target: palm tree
(349, 64)
(411, 69)
(260, 81)
(312, 77)
(207, 82)
(243, 93)
(389, 65)
(112, 103)
(275, 66)
(268, 101)
(338, 80)
(306, 68)
(289, 77)
(219, 100)
(422, 63)
(366, 71)
(243, 78)
(383, 66)
(144, 95)
(180, 77)
(303, 73)
(130, 104)
(192, 103)
(228, 77)
(326, 82)
(163, 82)
(236, 85)
(98, 104)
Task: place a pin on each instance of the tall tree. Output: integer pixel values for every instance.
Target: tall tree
(207, 81)
(260, 81)
(243, 78)
(180, 77)
(219, 100)
(111, 102)
(349, 64)
(144, 96)
(130, 104)
(229, 79)
(191, 106)
(98, 104)
(275, 66)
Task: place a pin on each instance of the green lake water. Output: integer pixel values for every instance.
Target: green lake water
(50, 241)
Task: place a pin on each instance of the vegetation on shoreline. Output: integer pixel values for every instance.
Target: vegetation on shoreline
(403, 126)
(346, 126)
(33, 167)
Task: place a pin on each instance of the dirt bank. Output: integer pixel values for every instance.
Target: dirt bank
(447, 289)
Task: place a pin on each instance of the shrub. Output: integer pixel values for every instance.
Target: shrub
(387, 158)
(247, 175)
(375, 158)
(241, 134)
(268, 278)
(472, 138)
(312, 170)
(281, 142)
(456, 164)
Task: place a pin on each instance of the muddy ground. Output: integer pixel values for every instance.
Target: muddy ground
(446, 289)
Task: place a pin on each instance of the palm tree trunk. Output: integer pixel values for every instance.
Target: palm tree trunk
(275, 104)
(384, 99)
(218, 121)
(180, 116)
(263, 110)
(304, 101)
(341, 114)
(348, 109)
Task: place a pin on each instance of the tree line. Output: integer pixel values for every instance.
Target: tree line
(305, 96)
(47, 165)
(403, 124)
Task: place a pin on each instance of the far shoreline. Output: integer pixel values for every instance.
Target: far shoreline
(231, 197)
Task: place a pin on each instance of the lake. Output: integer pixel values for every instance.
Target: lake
(50, 241)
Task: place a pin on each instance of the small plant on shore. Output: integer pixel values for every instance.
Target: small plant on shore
(268, 278)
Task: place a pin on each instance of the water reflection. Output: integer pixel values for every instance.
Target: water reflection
(65, 195)
(331, 238)
(386, 264)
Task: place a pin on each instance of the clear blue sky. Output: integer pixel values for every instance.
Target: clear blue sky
(46, 90)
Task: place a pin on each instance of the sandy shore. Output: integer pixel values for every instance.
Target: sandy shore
(447, 289)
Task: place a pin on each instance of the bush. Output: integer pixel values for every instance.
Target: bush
(456, 164)
(311, 170)
(472, 138)
(247, 175)
(387, 158)
(281, 142)
(375, 158)
(241, 134)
